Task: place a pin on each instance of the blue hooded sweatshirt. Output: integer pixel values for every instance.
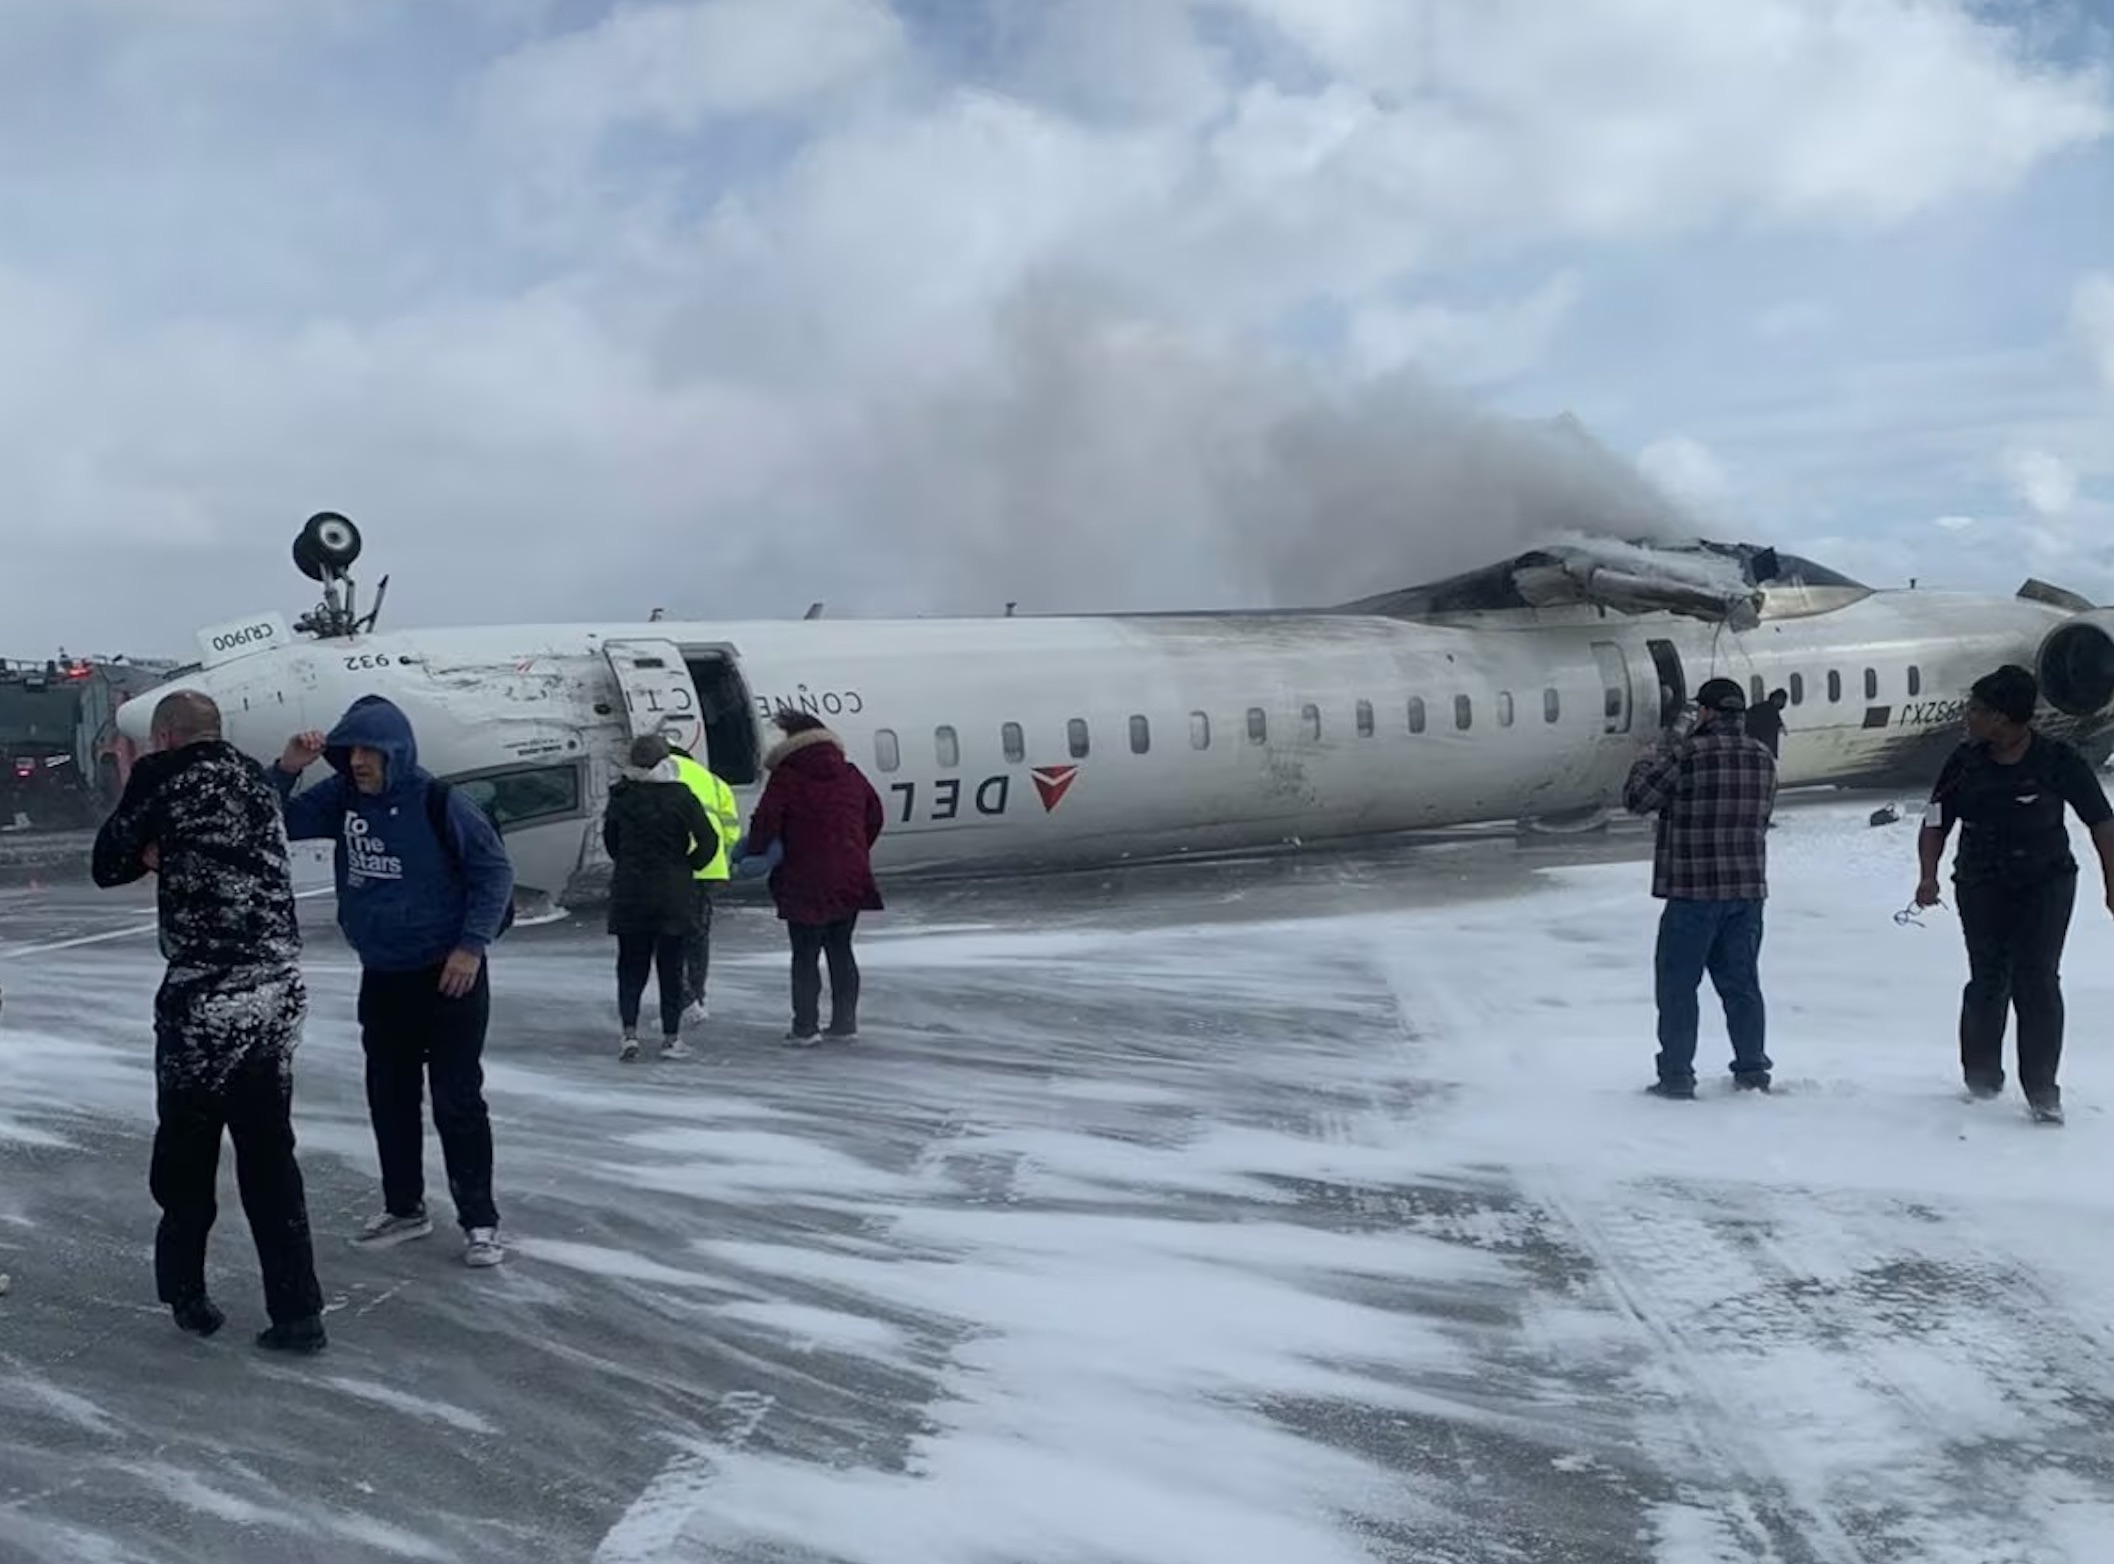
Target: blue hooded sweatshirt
(402, 904)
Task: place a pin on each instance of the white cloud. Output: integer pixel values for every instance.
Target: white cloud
(1650, 114)
(2046, 482)
(673, 65)
(550, 295)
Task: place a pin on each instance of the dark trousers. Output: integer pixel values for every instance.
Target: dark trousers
(697, 947)
(639, 954)
(254, 1106)
(1723, 938)
(412, 1034)
(812, 942)
(2015, 935)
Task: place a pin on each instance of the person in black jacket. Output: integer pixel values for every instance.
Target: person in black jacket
(198, 813)
(1766, 722)
(658, 836)
(2014, 880)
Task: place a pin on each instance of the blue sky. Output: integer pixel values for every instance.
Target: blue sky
(727, 305)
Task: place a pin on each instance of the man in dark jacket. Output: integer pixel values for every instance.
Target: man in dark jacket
(419, 908)
(825, 816)
(227, 1018)
(658, 837)
(1713, 791)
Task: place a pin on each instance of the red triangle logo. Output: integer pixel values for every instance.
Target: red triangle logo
(1053, 782)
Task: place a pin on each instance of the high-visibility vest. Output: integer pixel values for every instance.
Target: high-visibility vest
(720, 809)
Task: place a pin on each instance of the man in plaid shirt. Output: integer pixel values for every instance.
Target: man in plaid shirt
(1713, 790)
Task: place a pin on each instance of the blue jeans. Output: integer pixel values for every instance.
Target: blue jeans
(1723, 938)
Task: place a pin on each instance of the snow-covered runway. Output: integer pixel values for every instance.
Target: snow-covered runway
(1302, 1212)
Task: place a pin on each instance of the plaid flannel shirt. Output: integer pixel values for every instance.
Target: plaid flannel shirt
(1713, 794)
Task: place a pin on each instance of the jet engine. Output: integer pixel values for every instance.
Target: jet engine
(2077, 664)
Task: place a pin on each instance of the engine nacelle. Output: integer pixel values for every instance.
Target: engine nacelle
(2077, 664)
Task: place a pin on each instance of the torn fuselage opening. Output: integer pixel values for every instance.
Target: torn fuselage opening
(1733, 584)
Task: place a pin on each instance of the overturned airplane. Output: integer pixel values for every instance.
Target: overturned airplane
(1521, 691)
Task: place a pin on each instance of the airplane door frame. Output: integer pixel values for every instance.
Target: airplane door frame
(659, 696)
(1673, 679)
(1618, 696)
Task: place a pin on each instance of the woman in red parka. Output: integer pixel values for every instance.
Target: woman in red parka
(824, 817)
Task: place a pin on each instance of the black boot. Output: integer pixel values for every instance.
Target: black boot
(295, 1336)
(198, 1315)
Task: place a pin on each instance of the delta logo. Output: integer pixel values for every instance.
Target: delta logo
(1052, 783)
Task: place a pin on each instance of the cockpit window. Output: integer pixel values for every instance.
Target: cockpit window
(522, 794)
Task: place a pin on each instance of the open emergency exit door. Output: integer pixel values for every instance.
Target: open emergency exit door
(659, 697)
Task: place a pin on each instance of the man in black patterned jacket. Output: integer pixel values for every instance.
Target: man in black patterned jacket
(1713, 790)
(199, 813)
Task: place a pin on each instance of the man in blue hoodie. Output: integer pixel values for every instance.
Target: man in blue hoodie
(419, 908)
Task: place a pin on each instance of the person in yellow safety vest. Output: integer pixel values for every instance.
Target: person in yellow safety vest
(721, 810)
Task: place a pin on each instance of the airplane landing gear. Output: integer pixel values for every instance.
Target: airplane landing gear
(327, 546)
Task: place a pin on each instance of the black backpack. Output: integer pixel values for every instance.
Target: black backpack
(437, 793)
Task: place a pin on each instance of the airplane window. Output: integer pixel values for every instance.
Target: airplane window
(531, 793)
(1551, 705)
(1310, 719)
(1504, 708)
(1365, 719)
(1416, 714)
(1834, 685)
(1755, 693)
(887, 754)
(1463, 711)
(1199, 730)
(1798, 689)
(1075, 735)
(949, 747)
(1140, 735)
(1258, 725)
(1015, 742)
(1871, 684)
(1612, 706)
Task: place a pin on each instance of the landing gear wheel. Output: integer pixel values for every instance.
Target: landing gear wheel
(327, 546)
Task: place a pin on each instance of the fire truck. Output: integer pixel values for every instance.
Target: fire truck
(61, 766)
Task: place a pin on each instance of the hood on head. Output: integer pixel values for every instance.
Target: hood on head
(666, 771)
(816, 753)
(377, 723)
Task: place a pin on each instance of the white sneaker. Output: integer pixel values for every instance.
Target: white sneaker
(384, 1230)
(483, 1247)
(674, 1048)
(698, 1012)
(802, 1039)
(628, 1050)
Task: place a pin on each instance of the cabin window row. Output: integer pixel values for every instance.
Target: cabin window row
(888, 754)
(1012, 738)
(1795, 686)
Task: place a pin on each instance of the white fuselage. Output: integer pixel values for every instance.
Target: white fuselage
(1030, 742)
